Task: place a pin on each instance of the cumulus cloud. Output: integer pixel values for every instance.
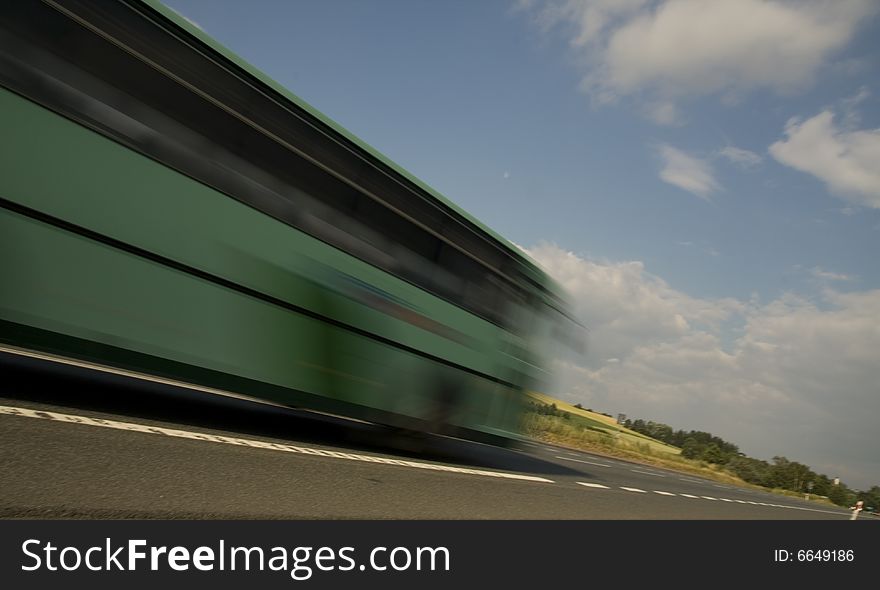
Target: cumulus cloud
(827, 275)
(687, 172)
(627, 306)
(847, 161)
(673, 49)
(792, 377)
(740, 157)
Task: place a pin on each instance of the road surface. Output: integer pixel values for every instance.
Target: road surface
(80, 444)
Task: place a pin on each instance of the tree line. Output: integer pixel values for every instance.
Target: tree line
(780, 472)
(546, 410)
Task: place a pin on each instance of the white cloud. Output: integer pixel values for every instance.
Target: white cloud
(626, 307)
(668, 50)
(739, 156)
(687, 172)
(664, 113)
(794, 378)
(849, 107)
(827, 275)
(847, 161)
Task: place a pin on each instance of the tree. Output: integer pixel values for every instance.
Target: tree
(712, 453)
(749, 469)
(789, 475)
(841, 495)
(822, 485)
(659, 431)
(691, 449)
(871, 497)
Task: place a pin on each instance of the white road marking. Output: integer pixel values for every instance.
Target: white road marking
(582, 461)
(663, 493)
(648, 473)
(765, 504)
(229, 440)
(691, 480)
(816, 510)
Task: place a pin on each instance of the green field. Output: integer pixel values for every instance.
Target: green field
(580, 429)
(600, 429)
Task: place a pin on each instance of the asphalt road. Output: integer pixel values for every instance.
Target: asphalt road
(76, 444)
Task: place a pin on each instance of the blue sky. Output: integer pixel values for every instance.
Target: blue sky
(704, 177)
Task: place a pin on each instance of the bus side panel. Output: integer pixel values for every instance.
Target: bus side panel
(75, 286)
(63, 169)
(68, 284)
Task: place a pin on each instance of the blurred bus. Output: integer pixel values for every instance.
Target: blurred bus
(166, 208)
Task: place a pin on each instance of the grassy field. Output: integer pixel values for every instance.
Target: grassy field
(599, 427)
(597, 433)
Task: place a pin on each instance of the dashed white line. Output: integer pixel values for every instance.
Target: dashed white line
(815, 510)
(691, 480)
(582, 461)
(660, 492)
(648, 473)
(665, 493)
(229, 440)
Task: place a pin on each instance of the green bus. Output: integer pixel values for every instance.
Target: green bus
(167, 209)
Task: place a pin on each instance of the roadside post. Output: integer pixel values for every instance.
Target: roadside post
(860, 505)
